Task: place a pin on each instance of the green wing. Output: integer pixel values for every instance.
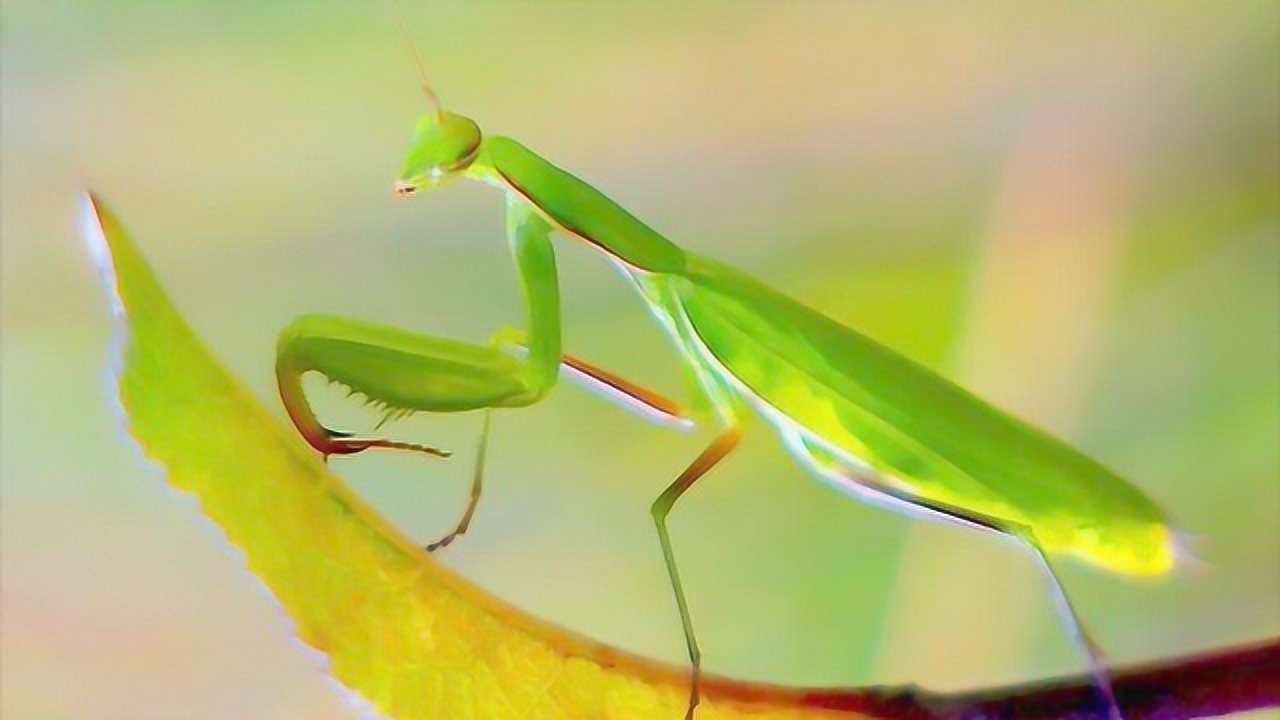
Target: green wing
(944, 443)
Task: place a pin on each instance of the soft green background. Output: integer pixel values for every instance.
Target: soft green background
(1075, 209)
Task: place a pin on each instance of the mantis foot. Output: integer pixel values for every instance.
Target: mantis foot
(443, 542)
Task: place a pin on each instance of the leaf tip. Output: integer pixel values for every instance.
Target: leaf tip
(93, 229)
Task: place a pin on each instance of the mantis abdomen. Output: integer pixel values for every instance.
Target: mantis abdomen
(918, 430)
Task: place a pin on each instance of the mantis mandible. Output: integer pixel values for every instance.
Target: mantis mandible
(854, 413)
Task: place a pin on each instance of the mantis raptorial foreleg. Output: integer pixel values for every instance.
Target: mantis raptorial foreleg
(400, 371)
(404, 372)
(715, 452)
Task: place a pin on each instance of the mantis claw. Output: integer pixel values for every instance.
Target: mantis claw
(442, 542)
(337, 442)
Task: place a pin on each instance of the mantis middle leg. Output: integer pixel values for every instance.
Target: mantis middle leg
(715, 452)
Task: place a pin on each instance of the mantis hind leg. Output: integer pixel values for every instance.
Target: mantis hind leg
(1066, 610)
(1071, 619)
(1091, 650)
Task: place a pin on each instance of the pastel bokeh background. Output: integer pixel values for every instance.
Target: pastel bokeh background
(1073, 209)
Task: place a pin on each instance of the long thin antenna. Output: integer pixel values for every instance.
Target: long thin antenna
(432, 99)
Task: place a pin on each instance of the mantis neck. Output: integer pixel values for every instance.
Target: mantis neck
(574, 207)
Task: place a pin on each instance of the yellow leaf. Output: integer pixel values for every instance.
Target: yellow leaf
(410, 636)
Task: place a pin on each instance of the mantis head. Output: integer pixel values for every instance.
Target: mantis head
(444, 145)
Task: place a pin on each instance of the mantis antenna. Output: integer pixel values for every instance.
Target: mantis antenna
(432, 99)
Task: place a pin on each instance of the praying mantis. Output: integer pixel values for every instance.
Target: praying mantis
(853, 413)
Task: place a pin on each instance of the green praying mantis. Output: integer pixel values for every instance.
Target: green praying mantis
(854, 413)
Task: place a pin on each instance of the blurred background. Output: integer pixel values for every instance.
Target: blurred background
(1073, 210)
